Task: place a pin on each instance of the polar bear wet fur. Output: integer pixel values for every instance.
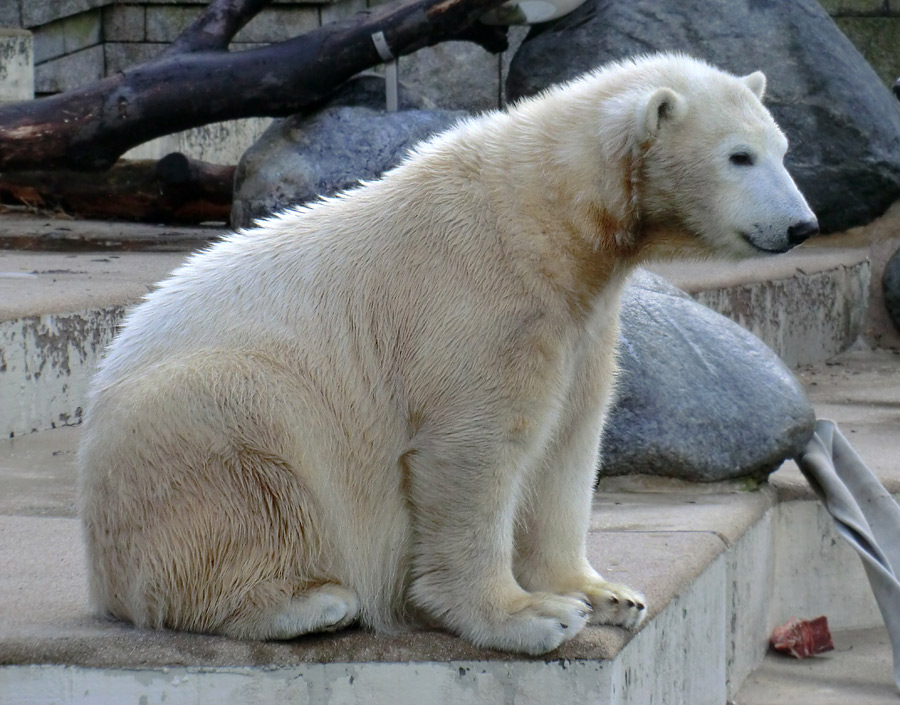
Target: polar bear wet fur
(386, 407)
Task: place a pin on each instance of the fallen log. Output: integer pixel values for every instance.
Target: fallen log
(197, 81)
(174, 189)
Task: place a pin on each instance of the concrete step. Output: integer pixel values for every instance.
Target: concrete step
(807, 305)
(58, 310)
(720, 566)
(51, 644)
(857, 672)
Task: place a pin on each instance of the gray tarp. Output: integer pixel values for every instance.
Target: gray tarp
(864, 514)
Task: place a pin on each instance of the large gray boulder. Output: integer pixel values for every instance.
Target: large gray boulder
(843, 123)
(303, 157)
(698, 397)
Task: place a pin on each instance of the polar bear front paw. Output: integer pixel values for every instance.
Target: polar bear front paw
(616, 604)
(538, 623)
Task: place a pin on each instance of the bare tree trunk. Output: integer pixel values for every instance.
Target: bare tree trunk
(173, 190)
(196, 82)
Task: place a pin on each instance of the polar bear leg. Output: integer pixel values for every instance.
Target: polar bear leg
(322, 608)
(551, 551)
(551, 534)
(464, 514)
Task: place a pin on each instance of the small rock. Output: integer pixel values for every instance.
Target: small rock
(842, 122)
(891, 285)
(303, 157)
(698, 397)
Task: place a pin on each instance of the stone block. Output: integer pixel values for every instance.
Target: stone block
(164, 23)
(67, 36)
(839, 296)
(10, 13)
(49, 42)
(123, 55)
(877, 39)
(454, 75)
(695, 617)
(276, 24)
(16, 65)
(39, 13)
(124, 23)
(837, 8)
(337, 11)
(749, 570)
(49, 372)
(219, 143)
(68, 72)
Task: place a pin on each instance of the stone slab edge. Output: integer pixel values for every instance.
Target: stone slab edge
(46, 363)
(692, 645)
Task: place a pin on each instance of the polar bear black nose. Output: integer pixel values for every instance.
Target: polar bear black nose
(799, 232)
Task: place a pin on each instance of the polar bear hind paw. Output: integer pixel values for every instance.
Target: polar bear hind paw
(326, 608)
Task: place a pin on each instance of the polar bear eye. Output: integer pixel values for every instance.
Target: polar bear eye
(741, 159)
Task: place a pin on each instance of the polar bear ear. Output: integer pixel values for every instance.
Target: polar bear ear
(664, 105)
(756, 82)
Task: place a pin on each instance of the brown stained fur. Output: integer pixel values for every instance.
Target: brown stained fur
(593, 255)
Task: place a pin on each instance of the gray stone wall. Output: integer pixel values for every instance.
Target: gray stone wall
(874, 27)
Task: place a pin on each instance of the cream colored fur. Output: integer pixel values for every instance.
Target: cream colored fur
(386, 407)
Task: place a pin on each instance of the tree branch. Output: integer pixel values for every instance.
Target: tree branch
(214, 29)
(90, 127)
(173, 190)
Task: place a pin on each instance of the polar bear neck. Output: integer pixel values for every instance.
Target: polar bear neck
(562, 204)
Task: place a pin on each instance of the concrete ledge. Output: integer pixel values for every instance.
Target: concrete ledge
(807, 305)
(51, 643)
(720, 566)
(46, 363)
(54, 625)
(58, 311)
(35, 284)
(46, 235)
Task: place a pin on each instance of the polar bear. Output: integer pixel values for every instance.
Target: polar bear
(385, 408)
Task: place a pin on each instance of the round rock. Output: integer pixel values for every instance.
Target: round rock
(698, 397)
(303, 157)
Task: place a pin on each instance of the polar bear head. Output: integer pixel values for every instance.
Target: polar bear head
(712, 159)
